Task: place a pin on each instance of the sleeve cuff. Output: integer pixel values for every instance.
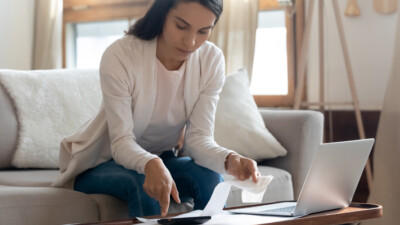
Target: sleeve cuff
(223, 159)
(142, 164)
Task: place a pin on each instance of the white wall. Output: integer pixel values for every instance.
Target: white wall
(16, 34)
(370, 40)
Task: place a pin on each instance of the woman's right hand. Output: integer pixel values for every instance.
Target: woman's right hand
(159, 184)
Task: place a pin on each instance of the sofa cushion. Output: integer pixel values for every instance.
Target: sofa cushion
(110, 208)
(280, 188)
(238, 122)
(8, 129)
(28, 178)
(45, 205)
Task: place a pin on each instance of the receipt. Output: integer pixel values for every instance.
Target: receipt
(251, 192)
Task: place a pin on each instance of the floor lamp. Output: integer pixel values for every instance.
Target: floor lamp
(302, 67)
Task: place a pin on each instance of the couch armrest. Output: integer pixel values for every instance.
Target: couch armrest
(300, 132)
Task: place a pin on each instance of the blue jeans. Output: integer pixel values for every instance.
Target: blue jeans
(193, 182)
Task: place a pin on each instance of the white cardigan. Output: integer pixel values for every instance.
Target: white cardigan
(128, 82)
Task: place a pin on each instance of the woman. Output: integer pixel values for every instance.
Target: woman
(160, 78)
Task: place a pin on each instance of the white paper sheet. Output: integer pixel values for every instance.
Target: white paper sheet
(251, 192)
(226, 218)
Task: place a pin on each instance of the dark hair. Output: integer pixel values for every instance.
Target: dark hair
(151, 25)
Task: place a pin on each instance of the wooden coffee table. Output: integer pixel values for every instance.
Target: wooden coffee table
(356, 212)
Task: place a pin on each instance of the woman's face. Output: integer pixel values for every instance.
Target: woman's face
(186, 28)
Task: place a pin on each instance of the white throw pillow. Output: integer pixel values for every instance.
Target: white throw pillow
(238, 122)
(50, 105)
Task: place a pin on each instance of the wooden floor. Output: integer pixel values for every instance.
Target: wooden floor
(344, 127)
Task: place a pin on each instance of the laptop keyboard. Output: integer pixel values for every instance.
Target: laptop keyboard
(282, 210)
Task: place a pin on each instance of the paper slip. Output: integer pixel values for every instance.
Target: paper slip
(225, 218)
(251, 192)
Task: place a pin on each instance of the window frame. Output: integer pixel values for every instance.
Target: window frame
(294, 28)
(75, 11)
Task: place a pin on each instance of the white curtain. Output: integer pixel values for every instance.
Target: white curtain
(235, 34)
(47, 45)
(386, 184)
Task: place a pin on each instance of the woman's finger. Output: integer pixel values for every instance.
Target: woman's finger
(164, 201)
(175, 193)
(254, 176)
(242, 175)
(251, 170)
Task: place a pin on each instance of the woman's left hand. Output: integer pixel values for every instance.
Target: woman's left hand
(241, 167)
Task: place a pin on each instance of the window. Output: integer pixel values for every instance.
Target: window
(274, 60)
(270, 67)
(91, 26)
(89, 40)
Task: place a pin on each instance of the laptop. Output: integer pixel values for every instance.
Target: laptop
(330, 183)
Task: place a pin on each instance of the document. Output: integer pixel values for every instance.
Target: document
(251, 193)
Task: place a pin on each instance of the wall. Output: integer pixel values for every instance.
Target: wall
(16, 26)
(370, 40)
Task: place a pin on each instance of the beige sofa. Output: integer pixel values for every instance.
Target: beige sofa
(27, 198)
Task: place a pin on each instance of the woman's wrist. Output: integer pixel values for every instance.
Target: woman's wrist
(229, 157)
(153, 163)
